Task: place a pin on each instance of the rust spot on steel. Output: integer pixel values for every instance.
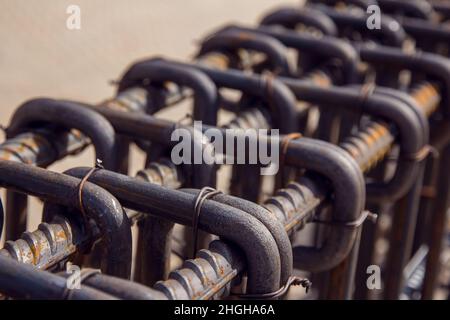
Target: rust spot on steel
(321, 79)
(221, 270)
(427, 96)
(244, 36)
(428, 192)
(36, 250)
(218, 60)
(61, 235)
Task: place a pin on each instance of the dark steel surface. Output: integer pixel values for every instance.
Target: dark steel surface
(60, 189)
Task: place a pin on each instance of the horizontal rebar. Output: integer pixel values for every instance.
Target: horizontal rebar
(45, 247)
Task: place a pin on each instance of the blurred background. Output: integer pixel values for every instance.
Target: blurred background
(40, 56)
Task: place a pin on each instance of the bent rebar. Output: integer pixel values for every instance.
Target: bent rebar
(43, 146)
(324, 49)
(414, 9)
(411, 125)
(362, 4)
(69, 115)
(233, 224)
(390, 32)
(158, 70)
(99, 205)
(435, 67)
(272, 224)
(290, 18)
(280, 100)
(154, 128)
(229, 41)
(429, 36)
(45, 111)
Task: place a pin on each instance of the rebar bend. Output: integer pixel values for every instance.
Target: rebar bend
(120, 288)
(442, 8)
(326, 48)
(148, 128)
(411, 125)
(414, 9)
(428, 35)
(290, 17)
(69, 115)
(235, 225)
(279, 99)
(269, 220)
(99, 205)
(22, 281)
(413, 135)
(231, 41)
(348, 187)
(349, 197)
(142, 124)
(363, 4)
(42, 146)
(432, 65)
(409, 100)
(390, 32)
(158, 70)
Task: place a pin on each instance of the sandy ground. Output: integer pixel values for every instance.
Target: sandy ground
(40, 56)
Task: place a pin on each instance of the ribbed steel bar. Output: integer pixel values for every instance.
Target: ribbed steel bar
(368, 161)
(155, 233)
(302, 199)
(44, 146)
(49, 245)
(206, 277)
(55, 242)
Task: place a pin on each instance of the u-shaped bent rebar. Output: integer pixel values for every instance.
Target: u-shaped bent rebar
(99, 205)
